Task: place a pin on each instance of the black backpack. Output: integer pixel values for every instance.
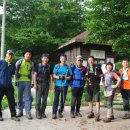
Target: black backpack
(43, 72)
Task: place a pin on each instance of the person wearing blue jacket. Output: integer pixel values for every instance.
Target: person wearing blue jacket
(7, 70)
(62, 74)
(77, 86)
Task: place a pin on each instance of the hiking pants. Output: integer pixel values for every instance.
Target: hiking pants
(41, 97)
(9, 92)
(60, 92)
(126, 98)
(24, 88)
(76, 96)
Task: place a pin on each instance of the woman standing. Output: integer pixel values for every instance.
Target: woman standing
(109, 90)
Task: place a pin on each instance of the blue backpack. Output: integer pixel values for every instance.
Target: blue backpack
(81, 78)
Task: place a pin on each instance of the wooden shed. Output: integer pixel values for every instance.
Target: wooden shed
(75, 46)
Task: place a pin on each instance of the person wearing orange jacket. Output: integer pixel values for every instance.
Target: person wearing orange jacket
(125, 87)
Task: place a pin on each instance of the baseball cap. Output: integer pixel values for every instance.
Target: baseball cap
(79, 58)
(10, 52)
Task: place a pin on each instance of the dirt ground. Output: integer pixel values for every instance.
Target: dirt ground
(66, 123)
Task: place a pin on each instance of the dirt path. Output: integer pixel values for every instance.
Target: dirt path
(65, 123)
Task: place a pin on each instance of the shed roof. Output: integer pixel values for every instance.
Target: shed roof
(79, 38)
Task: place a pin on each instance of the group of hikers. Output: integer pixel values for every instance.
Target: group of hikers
(41, 76)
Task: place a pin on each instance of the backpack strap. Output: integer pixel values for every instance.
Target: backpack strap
(57, 68)
(73, 69)
(88, 68)
(83, 69)
(121, 71)
(39, 66)
(128, 72)
(49, 67)
(18, 65)
(42, 70)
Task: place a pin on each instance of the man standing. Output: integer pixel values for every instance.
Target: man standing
(7, 69)
(62, 74)
(77, 86)
(42, 81)
(24, 77)
(93, 74)
(125, 87)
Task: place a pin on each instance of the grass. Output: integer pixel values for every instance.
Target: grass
(5, 102)
(51, 97)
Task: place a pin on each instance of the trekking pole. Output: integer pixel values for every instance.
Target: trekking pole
(61, 87)
(62, 97)
(63, 92)
(67, 73)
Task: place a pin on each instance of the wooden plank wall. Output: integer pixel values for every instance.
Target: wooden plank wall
(71, 54)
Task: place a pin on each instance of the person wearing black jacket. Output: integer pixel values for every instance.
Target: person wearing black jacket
(93, 74)
(42, 81)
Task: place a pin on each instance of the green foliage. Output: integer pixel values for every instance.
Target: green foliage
(108, 22)
(68, 97)
(41, 25)
(51, 98)
(118, 65)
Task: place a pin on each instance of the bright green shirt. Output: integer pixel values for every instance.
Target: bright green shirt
(24, 71)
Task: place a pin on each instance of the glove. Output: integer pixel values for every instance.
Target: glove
(114, 86)
(62, 77)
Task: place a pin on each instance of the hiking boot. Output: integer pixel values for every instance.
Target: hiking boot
(106, 120)
(72, 115)
(38, 115)
(28, 116)
(97, 117)
(1, 119)
(15, 118)
(78, 114)
(44, 115)
(90, 115)
(126, 116)
(60, 115)
(54, 116)
(20, 115)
